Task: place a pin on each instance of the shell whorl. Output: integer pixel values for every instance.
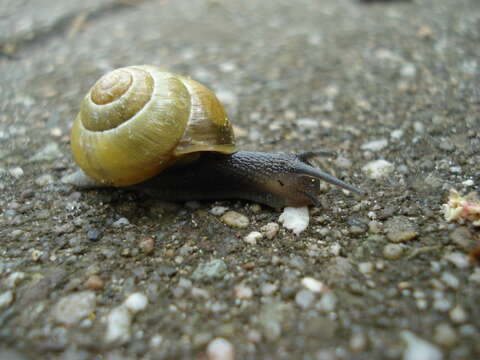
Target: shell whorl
(138, 120)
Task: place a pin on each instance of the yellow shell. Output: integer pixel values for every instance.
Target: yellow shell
(138, 120)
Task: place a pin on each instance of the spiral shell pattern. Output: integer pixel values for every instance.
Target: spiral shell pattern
(138, 120)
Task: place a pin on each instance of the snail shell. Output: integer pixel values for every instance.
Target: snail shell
(139, 120)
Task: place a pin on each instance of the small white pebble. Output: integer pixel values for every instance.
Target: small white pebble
(475, 276)
(313, 285)
(396, 134)
(243, 292)
(253, 237)
(235, 219)
(418, 127)
(6, 299)
(156, 341)
(200, 293)
(378, 169)
(16, 172)
(136, 302)
(358, 342)
(118, 325)
(304, 298)
(270, 230)
(335, 249)
(458, 315)
(44, 179)
(445, 335)
(468, 182)
(14, 279)
(422, 304)
(442, 304)
(218, 210)
(450, 280)
(295, 219)
(36, 254)
(327, 303)
(220, 349)
(343, 162)
(227, 67)
(123, 221)
(419, 349)
(375, 145)
(458, 259)
(408, 70)
(365, 268)
(392, 251)
(255, 208)
(307, 124)
(74, 307)
(268, 289)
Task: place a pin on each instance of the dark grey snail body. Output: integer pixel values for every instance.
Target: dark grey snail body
(173, 140)
(273, 179)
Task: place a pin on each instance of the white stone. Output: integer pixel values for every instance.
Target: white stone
(14, 279)
(44, 179)
(295, 219)
(375, 145)
(243, 292)
(235, 219)
(419, 349)
(365, 267)
(418, 127)
(123, 221)
(156, 341)
(268, 289)
(307, 123)
(445, 335)
(270, 230)
(81, 180)
(313, 285)
(328, 302)
(6, 299)
(16, 172)
(396, 134)
(335, 249)
(218, 210)
(358, 342)
(475, 276)
(450, 280)
(458, 259)
(220, 349)
(73, 308)
(118, 325)
(253, 237)
(458, 315)
(408, 70)
(136, 302)
(304, 298)
(378, 169)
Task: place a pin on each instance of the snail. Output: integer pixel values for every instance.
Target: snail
(142, 127)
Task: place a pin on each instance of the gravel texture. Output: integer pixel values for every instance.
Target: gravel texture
(393, 87)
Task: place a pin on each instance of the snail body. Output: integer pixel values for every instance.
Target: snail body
(145, 128)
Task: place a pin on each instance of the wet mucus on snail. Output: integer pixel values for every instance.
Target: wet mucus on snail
(145, 128)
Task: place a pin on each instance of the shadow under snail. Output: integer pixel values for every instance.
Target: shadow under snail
(145, 128)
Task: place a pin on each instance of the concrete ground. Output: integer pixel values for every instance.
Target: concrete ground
(379, 277)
